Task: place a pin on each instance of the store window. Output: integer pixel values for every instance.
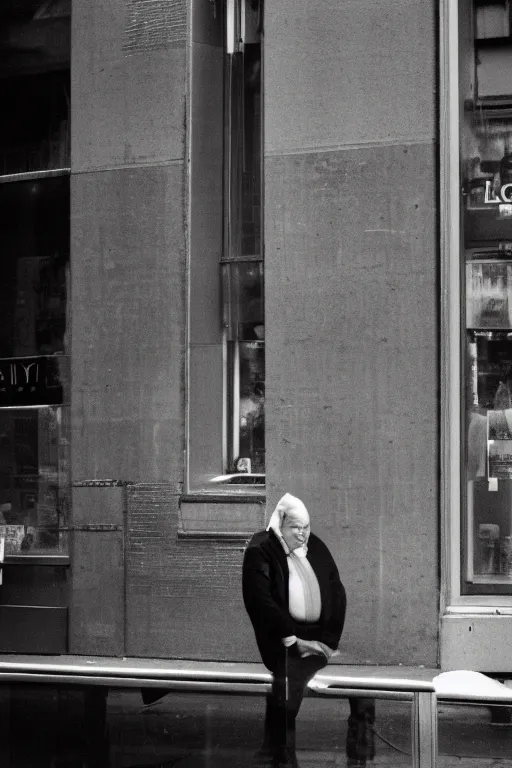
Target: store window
(227, 331)
(485, 76)
(34, 277)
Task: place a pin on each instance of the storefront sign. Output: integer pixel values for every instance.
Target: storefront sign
(33, 380)
(492, 198)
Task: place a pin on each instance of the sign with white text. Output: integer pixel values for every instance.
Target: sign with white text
(33, 380)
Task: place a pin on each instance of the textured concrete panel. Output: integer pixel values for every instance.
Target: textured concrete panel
(466, 643)
(128, 107)
(184, 598)
(221, 517)
(96, 624)
(158, 24)
(128, 324)
(99, 505)
(96, 609)
(352, 423)
(350, 72)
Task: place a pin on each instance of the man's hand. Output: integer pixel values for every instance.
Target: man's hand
(310, 648)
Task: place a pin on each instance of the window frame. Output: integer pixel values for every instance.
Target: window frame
(52, 556)
(220, 254)
(453, 531)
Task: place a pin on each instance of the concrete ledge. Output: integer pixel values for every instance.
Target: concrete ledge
(223, 517)
(467, 638)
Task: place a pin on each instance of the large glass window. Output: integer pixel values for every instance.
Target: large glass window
(226, 437)
(242, 260)
(34, 86)
(34, 276)
(486, 277)
(34, 364)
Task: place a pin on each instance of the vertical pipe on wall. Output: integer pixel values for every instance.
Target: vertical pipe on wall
(450, 301)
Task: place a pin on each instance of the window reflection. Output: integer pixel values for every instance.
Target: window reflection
(242, 260)
(34, 86)
(34, 479)
(34, 269)
(486, 179)
(34, 366)
(245, 331)
(251, 446)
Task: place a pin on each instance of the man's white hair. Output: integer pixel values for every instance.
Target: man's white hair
(286, 504)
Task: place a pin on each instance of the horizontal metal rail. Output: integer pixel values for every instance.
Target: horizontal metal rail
(185, 686)
(195, 686)
(211, 678)
(423, 689)
(338, 692)
(383, 683)
(144, 676)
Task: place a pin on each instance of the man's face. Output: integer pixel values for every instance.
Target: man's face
(295, 528)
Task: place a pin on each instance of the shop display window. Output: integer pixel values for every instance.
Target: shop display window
(34, 480)
(34, 365)
(485, 76)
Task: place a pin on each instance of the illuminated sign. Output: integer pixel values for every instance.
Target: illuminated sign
(492, 198)
(33, 380)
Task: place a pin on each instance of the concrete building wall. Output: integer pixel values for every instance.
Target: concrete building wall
(128, 205)
(351, 318)
(164, 596)
(351, 303)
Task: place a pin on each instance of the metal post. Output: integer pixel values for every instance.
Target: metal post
(424, 730)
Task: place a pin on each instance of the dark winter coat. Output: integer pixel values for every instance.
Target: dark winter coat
(265, 592)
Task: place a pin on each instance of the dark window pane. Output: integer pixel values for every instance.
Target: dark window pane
(34, 266)
(35, 137)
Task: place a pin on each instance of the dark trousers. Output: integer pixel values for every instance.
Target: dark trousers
(290, 677)
(360, 734)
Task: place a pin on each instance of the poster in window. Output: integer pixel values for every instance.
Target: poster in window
(500, 459)
(13, 537)
(489, 294)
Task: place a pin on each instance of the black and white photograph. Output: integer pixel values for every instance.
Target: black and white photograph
(256, 384)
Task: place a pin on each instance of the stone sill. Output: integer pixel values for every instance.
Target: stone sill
(202, 517)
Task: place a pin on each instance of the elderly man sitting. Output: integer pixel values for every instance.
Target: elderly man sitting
(296, 602)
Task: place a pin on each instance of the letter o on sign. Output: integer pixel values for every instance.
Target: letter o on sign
(506, 188)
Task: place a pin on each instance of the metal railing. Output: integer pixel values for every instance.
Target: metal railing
(422, 688)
